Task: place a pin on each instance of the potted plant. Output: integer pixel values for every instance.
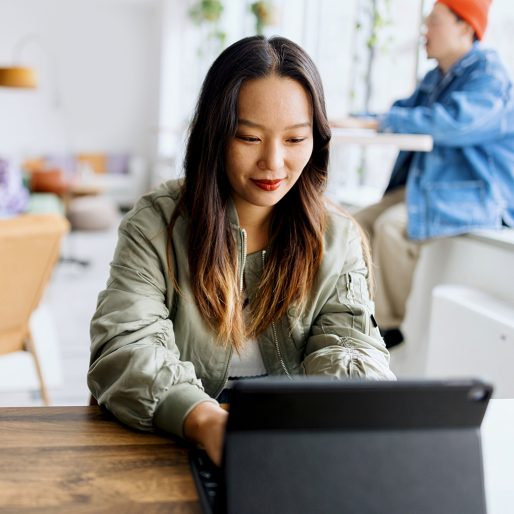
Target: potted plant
(208, 13)
(265, 14)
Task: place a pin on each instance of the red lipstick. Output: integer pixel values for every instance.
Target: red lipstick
(267, 185)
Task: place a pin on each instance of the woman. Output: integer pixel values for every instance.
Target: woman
(240, 270)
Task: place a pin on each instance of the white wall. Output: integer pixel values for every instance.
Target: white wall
(500, 34)
(99, 58)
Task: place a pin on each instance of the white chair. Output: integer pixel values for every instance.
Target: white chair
(471, 335)
(480, 260)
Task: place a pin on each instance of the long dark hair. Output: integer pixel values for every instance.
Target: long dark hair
(298, 220)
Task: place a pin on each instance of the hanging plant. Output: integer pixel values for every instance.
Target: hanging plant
(206, 11)
(209, 12)
(264, 12)
(375, 16)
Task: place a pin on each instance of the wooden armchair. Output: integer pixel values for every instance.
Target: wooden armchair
(29, 249)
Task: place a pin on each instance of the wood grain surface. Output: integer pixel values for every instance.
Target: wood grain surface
(80, 459)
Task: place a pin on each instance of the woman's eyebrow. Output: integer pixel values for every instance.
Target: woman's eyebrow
(249, 123)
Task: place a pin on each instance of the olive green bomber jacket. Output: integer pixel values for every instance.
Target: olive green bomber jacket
(153, 358)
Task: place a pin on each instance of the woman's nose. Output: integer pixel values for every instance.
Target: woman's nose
(272, 157)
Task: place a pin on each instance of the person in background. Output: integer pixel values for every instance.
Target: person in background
(467, 181)
(241, 269)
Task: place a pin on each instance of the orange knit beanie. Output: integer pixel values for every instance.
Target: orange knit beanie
(473, 11)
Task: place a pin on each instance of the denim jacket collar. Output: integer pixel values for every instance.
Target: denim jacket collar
(466, 61)
(434, 77)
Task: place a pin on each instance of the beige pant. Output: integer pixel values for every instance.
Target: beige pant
(394, 256)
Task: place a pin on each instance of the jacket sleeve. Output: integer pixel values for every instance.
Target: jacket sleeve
(135, 364)
(344, 341)
(476, 114)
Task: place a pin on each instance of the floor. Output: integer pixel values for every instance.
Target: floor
(71, 300)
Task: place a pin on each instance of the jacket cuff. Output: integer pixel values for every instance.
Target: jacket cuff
(176, 405)
(384, 123)
(396, 120)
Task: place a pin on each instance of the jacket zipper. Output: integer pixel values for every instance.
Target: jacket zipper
(244, 247)
(274, 332)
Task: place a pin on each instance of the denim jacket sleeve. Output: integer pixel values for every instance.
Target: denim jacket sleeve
(135, 362)
(470, 115)
(344, 341)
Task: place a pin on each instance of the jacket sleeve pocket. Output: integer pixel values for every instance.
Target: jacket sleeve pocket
(344, 340)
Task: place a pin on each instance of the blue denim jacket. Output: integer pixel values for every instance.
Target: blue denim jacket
(467, 181)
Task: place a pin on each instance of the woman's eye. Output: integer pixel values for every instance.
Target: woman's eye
(296, 139)
(248, 139)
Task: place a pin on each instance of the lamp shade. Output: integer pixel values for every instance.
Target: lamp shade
(17, 76)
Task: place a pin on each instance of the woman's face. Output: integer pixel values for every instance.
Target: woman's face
(273, 142)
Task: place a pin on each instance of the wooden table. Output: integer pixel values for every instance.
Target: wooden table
(365, 137)
(80, 459)
(360, 196)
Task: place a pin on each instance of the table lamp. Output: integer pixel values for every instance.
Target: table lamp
(16, 74)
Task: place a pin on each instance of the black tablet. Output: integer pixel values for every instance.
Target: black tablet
(317, 445)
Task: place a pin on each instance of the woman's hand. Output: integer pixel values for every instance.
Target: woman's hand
(205, 425)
